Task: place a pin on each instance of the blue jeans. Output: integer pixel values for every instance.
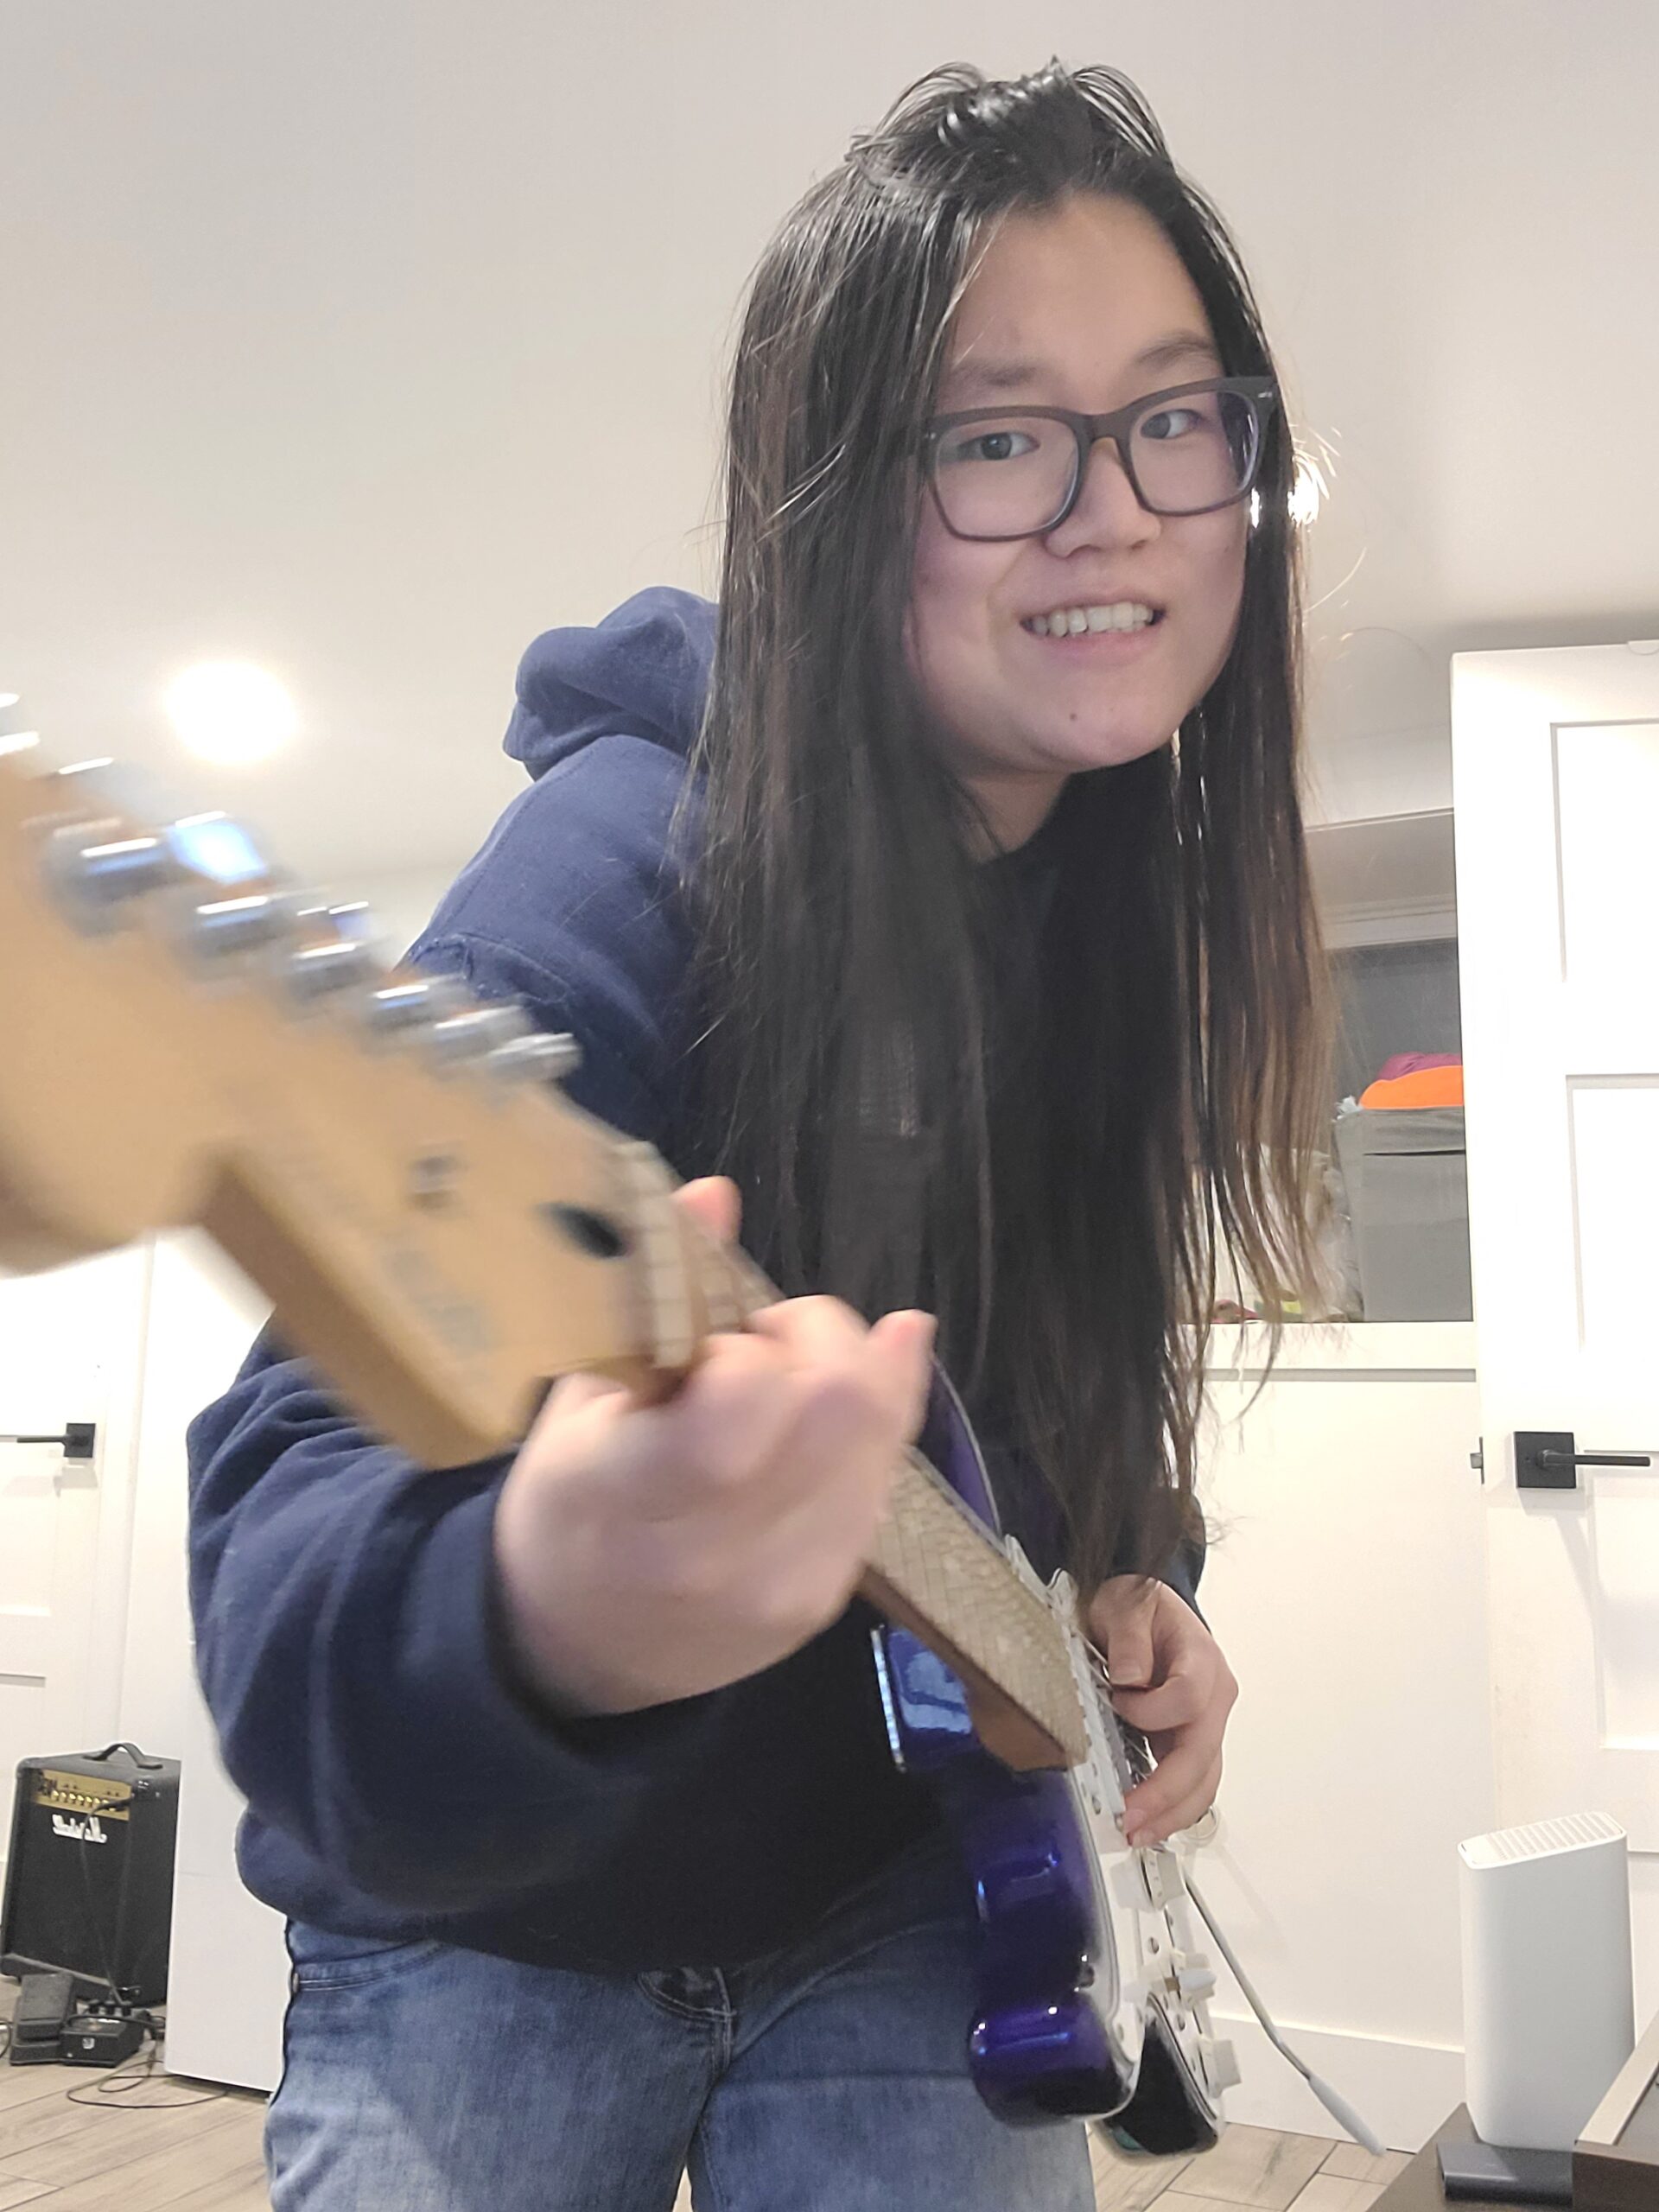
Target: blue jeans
(831, 2077)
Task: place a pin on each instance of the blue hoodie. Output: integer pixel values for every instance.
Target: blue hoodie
(399, 1780)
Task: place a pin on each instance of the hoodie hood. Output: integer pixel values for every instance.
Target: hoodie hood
(642, 672)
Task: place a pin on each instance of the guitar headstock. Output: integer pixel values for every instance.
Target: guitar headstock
(188, 1038)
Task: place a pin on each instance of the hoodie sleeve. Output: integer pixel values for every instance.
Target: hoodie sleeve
(572, 905)
(349, 1648)
(344, 1599)
(1184, 1571)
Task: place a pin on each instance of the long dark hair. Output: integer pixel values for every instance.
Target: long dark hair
(1060, 1205)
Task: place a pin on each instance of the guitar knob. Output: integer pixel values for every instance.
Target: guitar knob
(1194, 1976)
(1220, 2064)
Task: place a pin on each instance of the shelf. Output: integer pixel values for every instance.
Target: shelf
(1390, 880)
(1360, 1348)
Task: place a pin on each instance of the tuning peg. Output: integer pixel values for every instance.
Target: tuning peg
(500, 1039)
(220, 930)
(311, 972)
(96, 879)
(495, 1037)
(476, 1033)
(353, 919)
(542, 1057)
(411, 1003)
(345, 959)
(100, 854)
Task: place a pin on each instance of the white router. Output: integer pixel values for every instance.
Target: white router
(1549, 2014)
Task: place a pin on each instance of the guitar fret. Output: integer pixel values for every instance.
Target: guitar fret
(648, 1203)
(953, 1574)
(949, 1578)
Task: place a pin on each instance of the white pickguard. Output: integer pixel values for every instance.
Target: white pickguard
(1142, 1896)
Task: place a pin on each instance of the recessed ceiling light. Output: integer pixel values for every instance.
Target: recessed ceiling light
(231, 713)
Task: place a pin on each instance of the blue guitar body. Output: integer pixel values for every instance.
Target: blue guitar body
(1067, 2027)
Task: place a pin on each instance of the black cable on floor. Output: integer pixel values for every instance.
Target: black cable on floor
(122, 2080)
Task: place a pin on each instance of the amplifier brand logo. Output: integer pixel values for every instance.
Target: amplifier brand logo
(90, 1830)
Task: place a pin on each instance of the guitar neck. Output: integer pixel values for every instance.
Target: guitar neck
(436, 1225)
(939, 1571)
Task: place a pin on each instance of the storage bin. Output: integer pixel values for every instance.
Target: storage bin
(1408, 1194)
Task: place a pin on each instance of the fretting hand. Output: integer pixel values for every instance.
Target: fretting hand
(648, 1553)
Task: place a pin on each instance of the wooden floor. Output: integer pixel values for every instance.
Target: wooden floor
(103, 2157)
(1250, 2166)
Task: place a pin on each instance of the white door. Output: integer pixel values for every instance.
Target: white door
(1556, 761)
(70, 1349)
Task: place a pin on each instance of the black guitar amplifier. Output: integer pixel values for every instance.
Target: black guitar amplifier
(89, 1885)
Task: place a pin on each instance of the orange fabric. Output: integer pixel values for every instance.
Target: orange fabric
(1427, 1087)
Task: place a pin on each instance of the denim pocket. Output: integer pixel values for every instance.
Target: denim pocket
(323, 1959)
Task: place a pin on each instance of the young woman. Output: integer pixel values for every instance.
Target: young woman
(973, 949)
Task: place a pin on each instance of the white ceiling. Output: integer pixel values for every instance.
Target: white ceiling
(362, 339)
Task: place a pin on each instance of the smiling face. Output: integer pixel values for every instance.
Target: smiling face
(1093, 299)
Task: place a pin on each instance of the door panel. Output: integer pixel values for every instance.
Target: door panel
(1556, 777)
(1607, 777)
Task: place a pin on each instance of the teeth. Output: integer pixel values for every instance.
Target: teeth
(1072, 621)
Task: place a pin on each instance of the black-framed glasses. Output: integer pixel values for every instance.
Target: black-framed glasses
(1017, 472)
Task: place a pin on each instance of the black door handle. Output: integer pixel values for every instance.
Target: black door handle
(1549, 1459)
(77, 1438)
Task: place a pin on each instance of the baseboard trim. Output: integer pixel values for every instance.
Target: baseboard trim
(1404, 2090)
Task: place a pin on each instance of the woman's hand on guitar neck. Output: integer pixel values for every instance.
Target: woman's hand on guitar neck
(648, 1553)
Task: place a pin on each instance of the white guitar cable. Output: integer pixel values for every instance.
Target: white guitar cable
(1337, 2105)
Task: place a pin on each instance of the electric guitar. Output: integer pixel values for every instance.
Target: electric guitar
(189, 1040)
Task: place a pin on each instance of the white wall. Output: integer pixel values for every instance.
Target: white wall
(1407, 772)
(1346, 1585)
(204, 1313)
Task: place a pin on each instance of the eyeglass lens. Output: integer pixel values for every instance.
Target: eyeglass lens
(1012, 475)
